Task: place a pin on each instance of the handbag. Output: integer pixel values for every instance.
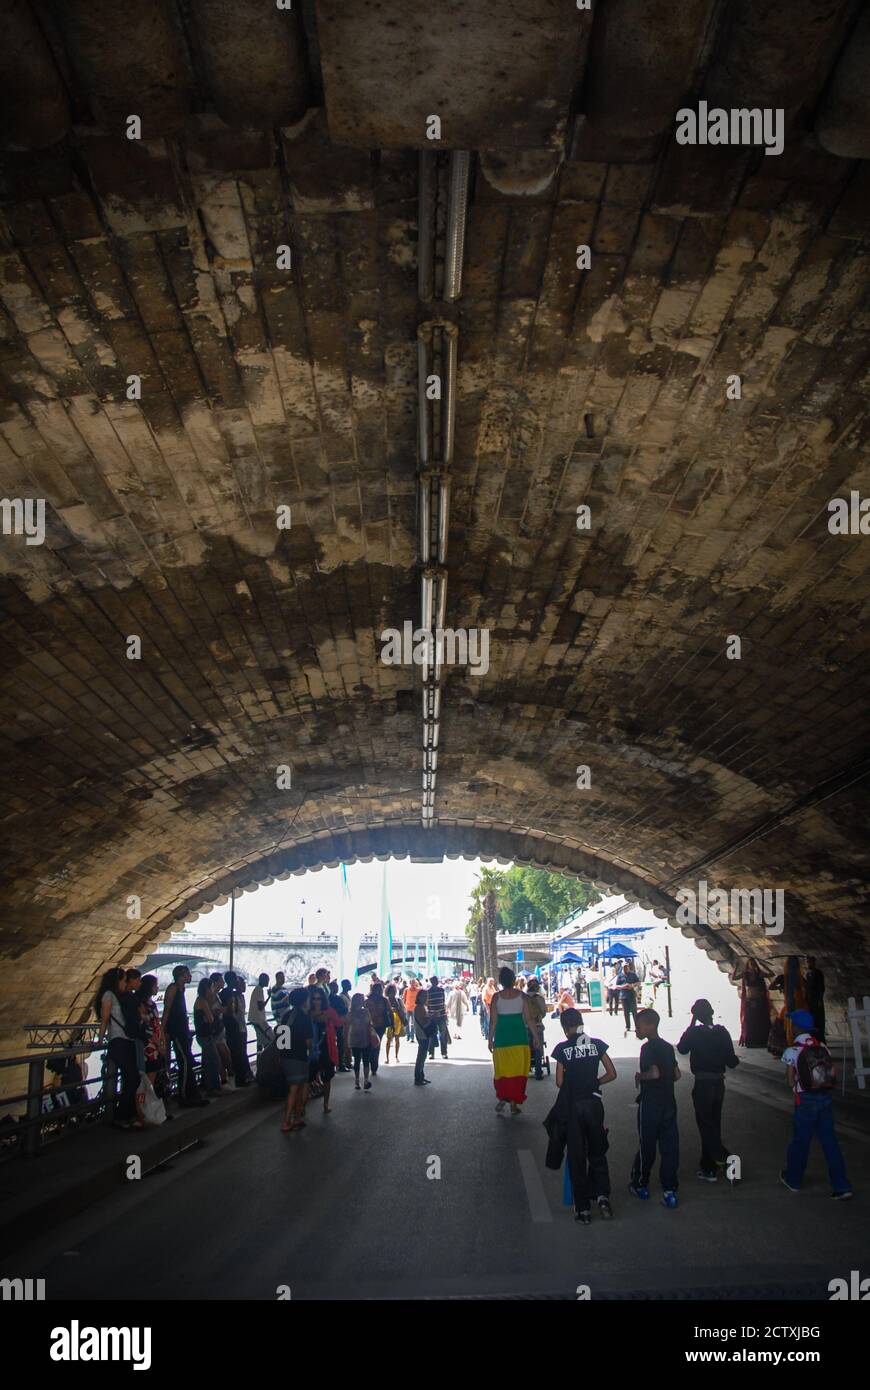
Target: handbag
(374, 1040)
(153, 1109)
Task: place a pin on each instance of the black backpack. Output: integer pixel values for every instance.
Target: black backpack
(815, 1067)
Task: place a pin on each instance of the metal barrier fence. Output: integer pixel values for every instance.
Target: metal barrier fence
(24, 1135)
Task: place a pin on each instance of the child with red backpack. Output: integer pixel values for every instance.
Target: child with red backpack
(812, 1077)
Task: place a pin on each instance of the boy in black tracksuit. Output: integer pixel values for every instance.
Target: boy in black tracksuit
(656, 1112)
(577, 1118)
(710, 1050)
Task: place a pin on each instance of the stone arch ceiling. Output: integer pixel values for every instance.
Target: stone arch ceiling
(263, 387)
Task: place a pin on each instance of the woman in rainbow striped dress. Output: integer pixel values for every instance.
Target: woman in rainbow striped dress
(510, 1021)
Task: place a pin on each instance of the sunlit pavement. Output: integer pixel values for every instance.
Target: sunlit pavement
(329, 1210)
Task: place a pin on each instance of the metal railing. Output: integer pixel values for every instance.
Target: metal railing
(23, 1135)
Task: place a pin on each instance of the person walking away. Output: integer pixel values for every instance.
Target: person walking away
(625, 983)
(423, 1025)
(380, 1020)
(176, 1030)
(710, 1050)
(438, 1014)
(293, 1039)
(120, 1049)
(656, 1112)
(538, 1012)
(458, 1006)
(814, 983)
(398, 1019)
(257, 1013)
(204, 1027)
(812, 1077)
(577, 1118)
(236, 1028)
(509, 1024)
(474, 995)
(359, 1031)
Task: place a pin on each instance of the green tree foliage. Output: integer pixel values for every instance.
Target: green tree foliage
(529, 900)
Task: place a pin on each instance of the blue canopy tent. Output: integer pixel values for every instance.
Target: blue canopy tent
(618, 949)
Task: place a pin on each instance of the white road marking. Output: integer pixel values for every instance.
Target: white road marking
(538, 1204)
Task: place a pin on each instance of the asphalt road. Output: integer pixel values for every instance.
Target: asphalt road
(346, 1208)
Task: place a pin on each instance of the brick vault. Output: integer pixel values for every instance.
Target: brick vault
(213, 315)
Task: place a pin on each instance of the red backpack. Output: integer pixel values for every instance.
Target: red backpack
(815, 1067)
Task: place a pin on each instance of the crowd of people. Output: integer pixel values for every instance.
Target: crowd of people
(308, 1033)
(326, 1027)
(142, 1039)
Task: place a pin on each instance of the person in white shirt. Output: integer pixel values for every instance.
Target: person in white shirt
(257, 1012)
(612, 992)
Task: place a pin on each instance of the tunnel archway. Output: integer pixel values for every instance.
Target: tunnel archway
(172, 381)
(723, 944)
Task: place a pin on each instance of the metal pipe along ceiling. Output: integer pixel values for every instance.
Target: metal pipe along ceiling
(437, 341)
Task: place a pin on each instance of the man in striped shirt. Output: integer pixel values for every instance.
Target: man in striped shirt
(438, 1014)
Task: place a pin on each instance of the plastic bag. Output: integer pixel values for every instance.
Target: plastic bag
(153, 1109)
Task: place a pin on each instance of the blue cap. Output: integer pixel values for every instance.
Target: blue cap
(803, 1020)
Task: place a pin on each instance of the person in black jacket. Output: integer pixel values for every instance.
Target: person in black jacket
(710, 1050)
(577, 1118)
